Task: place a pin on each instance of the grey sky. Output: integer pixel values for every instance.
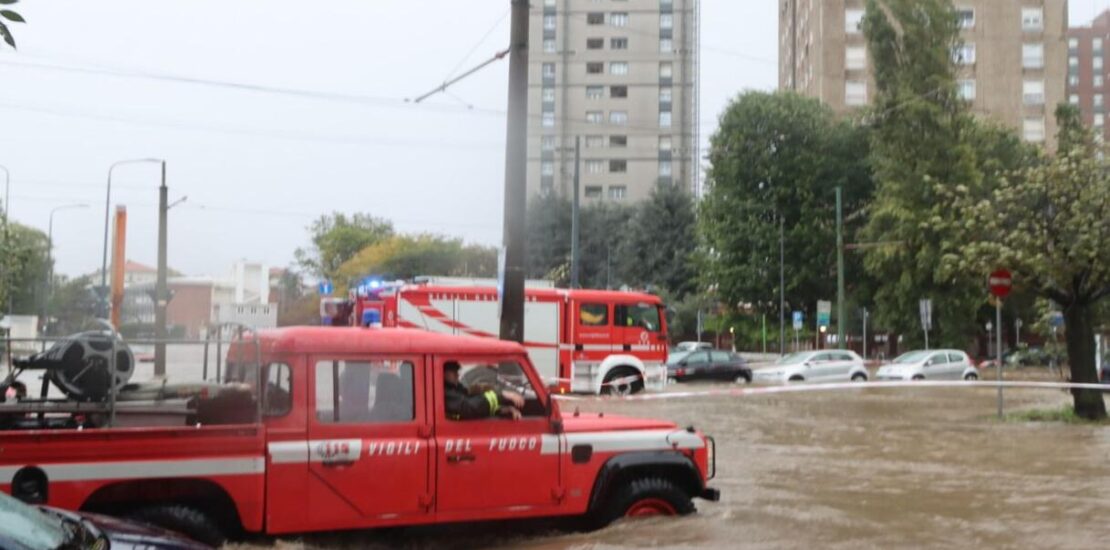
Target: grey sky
(258, 167)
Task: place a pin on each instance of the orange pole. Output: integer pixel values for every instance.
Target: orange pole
(119, 261)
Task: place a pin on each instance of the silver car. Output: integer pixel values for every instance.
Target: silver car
(938, 364)
(814, 366)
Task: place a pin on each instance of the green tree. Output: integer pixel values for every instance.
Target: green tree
(603, 230)
(72, 305)
(659, 242)
(1050, 224)
(548, 236)
(780, 156)
(12, 16)
(336, 238)
(408, 256)
(24, 253)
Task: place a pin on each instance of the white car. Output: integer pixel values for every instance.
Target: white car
(814, 366)
(938, 364)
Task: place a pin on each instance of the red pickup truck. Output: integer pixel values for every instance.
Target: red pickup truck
(351, 432)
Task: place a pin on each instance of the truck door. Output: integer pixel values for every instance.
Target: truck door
(495, 466)
(642, 335)
(369, 446)
(592, 336)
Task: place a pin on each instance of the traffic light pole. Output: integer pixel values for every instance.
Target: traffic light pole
(512, 294)
(839, 270)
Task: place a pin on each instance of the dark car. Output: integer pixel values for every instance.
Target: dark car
(710, 365)
(24, 527)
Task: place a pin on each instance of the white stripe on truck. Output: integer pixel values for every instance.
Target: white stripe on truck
(143, 469)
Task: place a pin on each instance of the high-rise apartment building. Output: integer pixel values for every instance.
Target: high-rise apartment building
(1012, 63)
(620, 75)
(1087, 71)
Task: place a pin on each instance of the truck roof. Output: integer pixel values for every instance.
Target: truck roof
(578, 294)
(378, 340)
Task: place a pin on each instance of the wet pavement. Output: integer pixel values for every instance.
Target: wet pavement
(862, 468)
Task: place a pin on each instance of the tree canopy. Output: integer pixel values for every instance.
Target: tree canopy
(336, 238)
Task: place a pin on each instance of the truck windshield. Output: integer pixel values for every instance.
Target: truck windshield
(28, 526)
(645, 316)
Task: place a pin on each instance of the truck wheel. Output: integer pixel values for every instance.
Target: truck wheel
(647, 497)
(185, 520)
(611, 387)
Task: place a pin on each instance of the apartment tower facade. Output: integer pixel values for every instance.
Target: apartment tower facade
(1087, 71)
(620, 76)
(1011, 66)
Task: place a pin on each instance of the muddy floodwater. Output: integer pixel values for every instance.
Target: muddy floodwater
(864, 468)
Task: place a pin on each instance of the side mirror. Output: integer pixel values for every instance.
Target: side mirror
(808, 364)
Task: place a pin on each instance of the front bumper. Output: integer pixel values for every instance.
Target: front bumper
(711, 494)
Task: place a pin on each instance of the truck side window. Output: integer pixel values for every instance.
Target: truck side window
(593, 315)
(644, 316)
(479, 377)
(368, 392)
(277, 399)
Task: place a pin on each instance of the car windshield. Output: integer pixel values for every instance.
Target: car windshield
(677, 356)
(912, 357)
(792, 359)
(28, 526)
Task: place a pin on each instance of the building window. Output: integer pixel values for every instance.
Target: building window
(594, 117)
(548, 45)
(664, 119)
(965, 54)
(1073, 44)
(549, 22)
(595, 18)
(595, 92)
(1032, 19)
(666, 45)
(853, 19)
(966, 89)
(595, 43)
(855, 93)
(665, 143)
(1098, 102)
(595, 67)
(617, 192)
(618, 166)
(549, 95)
(619, 92)
(1032, 56)
(666, 21)
(1032, 92)
(666, 70)
(548, 120)
(547, 143)
(549, 3)
(1096, 62)
(595, 167)
(549, 70)
(1073, 62)
(547, 168)
(665, 95)
(665, 168)
(1033, 129)
(1099, 120)
(618, 19)
(1096, 45)
(966, 18)
(618, 117)
(594, 142)
(618, 43)
(593, 191)
(1073, 99)
(1098, 81)
(1073, 80)
(618, 68)
(855, 58)
(618, 141)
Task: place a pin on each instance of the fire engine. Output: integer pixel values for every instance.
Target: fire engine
(322, 428)
(583, 341)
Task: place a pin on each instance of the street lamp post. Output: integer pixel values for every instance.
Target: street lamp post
(103, 301)
(50, 258)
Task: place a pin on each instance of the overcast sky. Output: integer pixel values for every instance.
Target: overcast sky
(258, 167)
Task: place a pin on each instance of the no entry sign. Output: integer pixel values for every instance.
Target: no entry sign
(1000, 282)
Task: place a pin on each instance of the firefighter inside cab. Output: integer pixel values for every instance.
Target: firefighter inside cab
(465, 404)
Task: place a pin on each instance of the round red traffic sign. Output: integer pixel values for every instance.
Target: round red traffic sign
(1000, 282)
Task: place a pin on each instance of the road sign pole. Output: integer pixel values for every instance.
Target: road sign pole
(998, 350)
(865, 334)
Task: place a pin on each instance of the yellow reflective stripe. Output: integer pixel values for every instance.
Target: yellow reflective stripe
(491, 397)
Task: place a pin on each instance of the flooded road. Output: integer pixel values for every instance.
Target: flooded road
(861, 468)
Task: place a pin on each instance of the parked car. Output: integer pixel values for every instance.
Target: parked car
(939, 364)
(710, 365)
(814, 366)
(26, 527)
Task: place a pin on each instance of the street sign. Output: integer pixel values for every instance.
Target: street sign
(799, 317)
(1056, 319)
(1000, 282)
(824, 313)
(926, 310)
(326, 288)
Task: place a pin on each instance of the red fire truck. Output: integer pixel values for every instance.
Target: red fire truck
(583, 341)
(345, 428)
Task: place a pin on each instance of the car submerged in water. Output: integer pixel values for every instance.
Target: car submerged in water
(940, 364)
(814, 366)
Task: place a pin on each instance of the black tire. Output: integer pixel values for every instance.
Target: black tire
(642, 490)
(186, 520)
(631, 388)
(859, 377)
(797, 378)
(971, 377)
(918, 377)
(744, 377)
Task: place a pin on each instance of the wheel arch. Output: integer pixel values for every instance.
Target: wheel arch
(620, 469)
(208, 496)
(617, 361)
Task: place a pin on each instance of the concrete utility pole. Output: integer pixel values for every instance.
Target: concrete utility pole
(161, 297)
(512, 293)
(782, 285)
(839, 270)
(574, 221)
